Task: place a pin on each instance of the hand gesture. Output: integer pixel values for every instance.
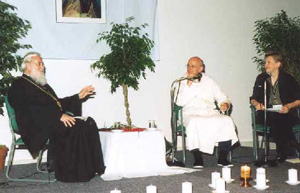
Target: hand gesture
(224, 106)
(86, 91)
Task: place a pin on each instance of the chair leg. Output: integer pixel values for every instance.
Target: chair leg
(39, 162)
(9, 166)
(10, 160)
(183, 150)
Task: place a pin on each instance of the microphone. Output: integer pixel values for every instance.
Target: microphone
(267, 75)
(198, 77)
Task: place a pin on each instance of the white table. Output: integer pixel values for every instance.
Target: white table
(135, 154)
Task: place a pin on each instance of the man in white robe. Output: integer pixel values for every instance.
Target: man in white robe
(205, 126)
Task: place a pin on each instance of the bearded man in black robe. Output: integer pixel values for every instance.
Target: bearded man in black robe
(42, 116)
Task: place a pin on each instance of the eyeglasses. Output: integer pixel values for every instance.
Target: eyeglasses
(193, 66)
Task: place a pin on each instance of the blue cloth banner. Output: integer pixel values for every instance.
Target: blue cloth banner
(78, 40)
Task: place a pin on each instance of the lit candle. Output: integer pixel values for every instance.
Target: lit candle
(151, 189)
(214, 177)
(220, 185)
(245, 171)
(187, 187)
(293, 175)
(260, 177)
(226, 173)
(115, 191)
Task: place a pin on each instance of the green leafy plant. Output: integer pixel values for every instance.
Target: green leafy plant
(12, 29)
(279, 33)
(128, 60)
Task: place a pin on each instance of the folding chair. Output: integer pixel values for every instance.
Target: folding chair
(18, 144)
(258, 130)
(178, 129)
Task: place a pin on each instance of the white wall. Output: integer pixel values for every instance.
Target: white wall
(220, 32)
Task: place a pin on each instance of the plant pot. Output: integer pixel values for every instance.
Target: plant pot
(3, 154)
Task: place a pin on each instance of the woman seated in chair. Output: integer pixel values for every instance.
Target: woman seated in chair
(282, 91)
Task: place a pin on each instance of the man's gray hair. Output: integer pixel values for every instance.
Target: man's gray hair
(28, 57)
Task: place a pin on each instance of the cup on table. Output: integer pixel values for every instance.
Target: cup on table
(117, 125)
(152, 124)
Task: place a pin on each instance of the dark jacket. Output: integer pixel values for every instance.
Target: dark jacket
(37, 114)
(288, 88)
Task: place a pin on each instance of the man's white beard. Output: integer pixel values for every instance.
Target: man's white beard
(38, 77)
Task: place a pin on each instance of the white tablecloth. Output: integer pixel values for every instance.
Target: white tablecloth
(135, 154)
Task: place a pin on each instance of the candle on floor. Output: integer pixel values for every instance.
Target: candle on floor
(214, 177)
(245, 171)
(260, 177)
(220, 185)
(293, 175)
(187, 187)
(115, 191)
(226, 173)
(151, 189)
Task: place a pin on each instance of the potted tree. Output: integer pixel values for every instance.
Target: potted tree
(12, 29)
(280, 33)
(128, 60)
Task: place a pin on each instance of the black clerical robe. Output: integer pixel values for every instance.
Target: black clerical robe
(77, 149)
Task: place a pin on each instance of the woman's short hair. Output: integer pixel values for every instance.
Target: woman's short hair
(276, 55)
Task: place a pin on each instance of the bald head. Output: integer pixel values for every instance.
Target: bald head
(195, 66)
(196, 61)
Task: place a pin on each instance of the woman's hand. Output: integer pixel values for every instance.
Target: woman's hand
(284, 109)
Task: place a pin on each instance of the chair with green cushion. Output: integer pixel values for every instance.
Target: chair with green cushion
(18, 144)
(179, 130)
(258, 130)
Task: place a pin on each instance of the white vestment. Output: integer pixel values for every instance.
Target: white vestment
(204, 124)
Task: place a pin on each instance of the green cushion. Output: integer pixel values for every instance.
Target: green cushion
(11, 115)
(296, 128)
(260, 128)
(20, 141)
(179, 128)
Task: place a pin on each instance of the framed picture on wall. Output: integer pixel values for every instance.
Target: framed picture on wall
(81, 11)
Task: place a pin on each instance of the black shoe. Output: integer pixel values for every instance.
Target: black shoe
(224, 162)
(50, 166)
(198, 165)
(280, 158)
